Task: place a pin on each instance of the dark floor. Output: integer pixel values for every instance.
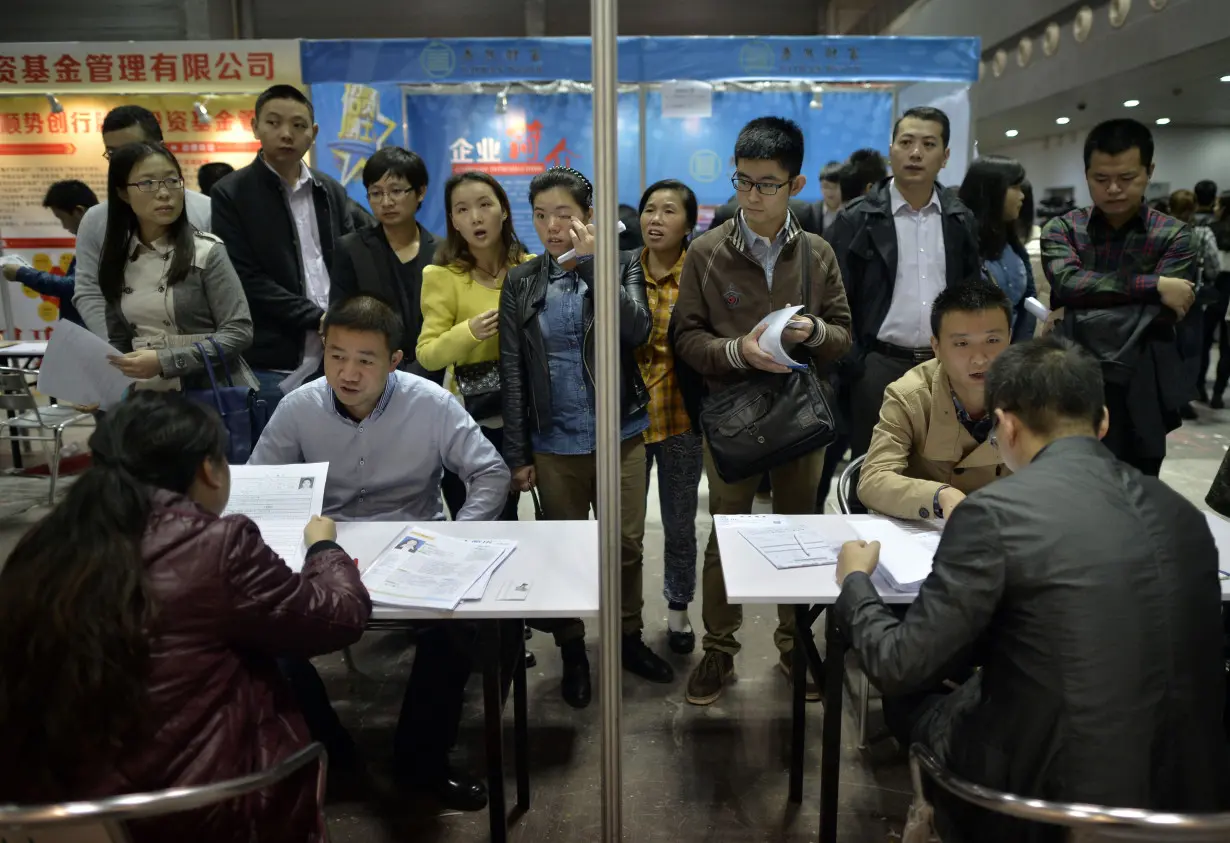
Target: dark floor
(691, 775)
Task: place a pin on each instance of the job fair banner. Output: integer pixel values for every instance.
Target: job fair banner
(39, 146)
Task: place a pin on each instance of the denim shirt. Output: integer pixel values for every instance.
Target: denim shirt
(562, 322)
(1009, 273)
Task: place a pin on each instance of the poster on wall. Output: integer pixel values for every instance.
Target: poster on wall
(355, 121)
(39, 147)
(699, 150)
(515, 140)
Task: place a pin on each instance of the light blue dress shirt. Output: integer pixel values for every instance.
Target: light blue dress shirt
(388, 467)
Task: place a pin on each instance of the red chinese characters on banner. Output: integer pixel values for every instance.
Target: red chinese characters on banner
(196, 67)
(32, 123)
(177, 121)
(8, 70)
(164, 68)
(34, 69)
(68, 69)
(10, 123)
(260, 66)
(229, 66)
(57, 124)
(132, 68)
(100, 67)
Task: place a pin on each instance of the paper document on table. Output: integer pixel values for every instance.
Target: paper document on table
(771, 340)
(760, 519)
(905, 560)
(506, 548)
(75, 368)
(281, 499)
(425, 570)
(791, 547)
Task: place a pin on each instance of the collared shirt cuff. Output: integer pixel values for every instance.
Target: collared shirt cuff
(734, 355)
(819, 332)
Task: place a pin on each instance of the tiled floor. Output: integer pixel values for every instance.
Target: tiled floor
(690, 774)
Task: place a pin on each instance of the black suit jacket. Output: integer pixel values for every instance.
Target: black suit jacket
(366, 263)
(251, 215)
(1089, 594)
(864, 238)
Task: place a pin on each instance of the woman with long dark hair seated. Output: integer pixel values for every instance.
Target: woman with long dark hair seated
(994, 190)
(139, 629)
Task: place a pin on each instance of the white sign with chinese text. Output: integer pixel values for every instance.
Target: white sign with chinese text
(133, 67)
(687, 99)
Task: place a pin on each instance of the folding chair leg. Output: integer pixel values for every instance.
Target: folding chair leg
(53, 466)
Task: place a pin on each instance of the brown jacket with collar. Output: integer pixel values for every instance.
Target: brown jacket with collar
(723, 296)
(920, 445)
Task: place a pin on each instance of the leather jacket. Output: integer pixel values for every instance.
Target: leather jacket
(524, 376)
(217, 706)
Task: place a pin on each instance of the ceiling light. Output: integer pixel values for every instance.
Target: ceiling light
(1131, 103)
(202, 113)
(1163, 121)
(1011, 133)
(56, 107)
(501, 102)
(1063, 121)
(1225, 79)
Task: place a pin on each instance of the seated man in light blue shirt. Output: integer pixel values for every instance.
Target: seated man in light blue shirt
(388, 436)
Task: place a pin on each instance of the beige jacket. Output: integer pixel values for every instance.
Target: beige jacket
(919, 445)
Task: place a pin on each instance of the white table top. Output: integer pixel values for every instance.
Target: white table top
(558, 558)
(750, 578)
(24, 349)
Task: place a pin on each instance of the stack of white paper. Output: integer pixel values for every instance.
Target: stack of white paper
(425, 570)
(506, 548)
(791, 547)
(905, 559)
(281, 499)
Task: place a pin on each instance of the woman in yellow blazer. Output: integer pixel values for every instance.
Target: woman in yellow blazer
(461, 304)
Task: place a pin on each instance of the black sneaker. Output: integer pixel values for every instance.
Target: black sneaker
(644, 662)
(707, 680)
(1217, 403)
(1188, 412)
(575, 687)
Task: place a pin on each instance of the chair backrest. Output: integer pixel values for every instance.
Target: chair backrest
(847, 488)
(1086, 823)
(15, 394)
(69, 821)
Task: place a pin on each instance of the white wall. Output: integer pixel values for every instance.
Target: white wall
(1183, 157)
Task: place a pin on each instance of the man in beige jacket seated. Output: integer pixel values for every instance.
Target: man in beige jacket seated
(931, 446)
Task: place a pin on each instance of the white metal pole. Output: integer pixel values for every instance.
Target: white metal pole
(603, 21)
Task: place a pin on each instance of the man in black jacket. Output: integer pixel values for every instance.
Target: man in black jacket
(1089, 594)
(898, 246)
(387, 260)
(280, 221)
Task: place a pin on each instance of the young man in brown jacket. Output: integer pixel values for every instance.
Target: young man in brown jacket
(733, 276)
(932, 445)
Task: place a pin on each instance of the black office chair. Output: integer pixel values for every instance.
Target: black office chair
(847, 488)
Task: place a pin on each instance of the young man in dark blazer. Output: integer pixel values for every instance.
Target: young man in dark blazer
(281, 220)
(898, 246)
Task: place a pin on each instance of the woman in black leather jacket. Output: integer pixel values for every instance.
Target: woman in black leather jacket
(550, 428)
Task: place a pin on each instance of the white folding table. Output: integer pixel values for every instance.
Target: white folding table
(558, 558)
(750, 578)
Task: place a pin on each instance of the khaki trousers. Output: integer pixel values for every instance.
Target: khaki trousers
(568, 490)
(794, 493)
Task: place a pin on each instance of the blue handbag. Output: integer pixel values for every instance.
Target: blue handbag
(243, 415)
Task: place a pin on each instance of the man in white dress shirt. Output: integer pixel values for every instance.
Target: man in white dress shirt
(898, 247)
(124, 125)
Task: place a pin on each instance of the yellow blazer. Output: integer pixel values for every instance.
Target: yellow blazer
(919, 445)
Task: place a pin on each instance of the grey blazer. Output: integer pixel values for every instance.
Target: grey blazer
(209, 302)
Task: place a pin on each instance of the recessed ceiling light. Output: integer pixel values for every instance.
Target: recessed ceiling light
(1131, 103)
(1011, 133)
(1163, 121)
(1063, 121)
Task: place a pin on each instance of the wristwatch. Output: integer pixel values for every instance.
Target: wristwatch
(935, 502)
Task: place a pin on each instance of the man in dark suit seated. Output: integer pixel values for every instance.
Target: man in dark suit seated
(1087, 591)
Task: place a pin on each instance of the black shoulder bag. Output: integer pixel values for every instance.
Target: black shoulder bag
(770, 420)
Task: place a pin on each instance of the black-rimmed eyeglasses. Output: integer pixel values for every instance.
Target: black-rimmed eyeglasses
(764, 188)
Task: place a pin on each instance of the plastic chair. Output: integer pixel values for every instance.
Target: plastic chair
(849, 504)
(35, 423)
(1086, 823)
(102, 821)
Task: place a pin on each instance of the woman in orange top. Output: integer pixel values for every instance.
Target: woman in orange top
(668, 216)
